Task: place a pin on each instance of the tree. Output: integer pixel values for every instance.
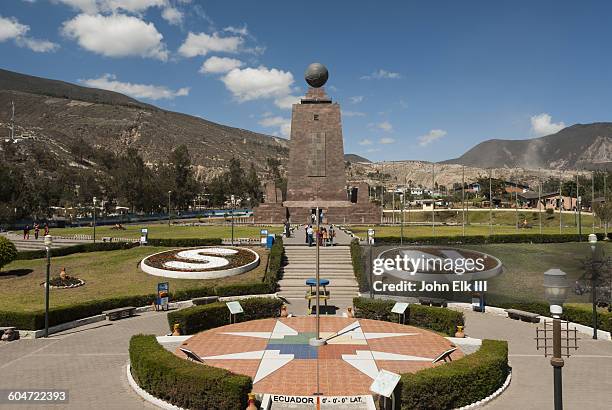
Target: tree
(185, 184)
(603, 210)
(253, 186)
(8, 251)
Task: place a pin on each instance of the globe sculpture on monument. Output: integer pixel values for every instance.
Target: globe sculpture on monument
(315, 172)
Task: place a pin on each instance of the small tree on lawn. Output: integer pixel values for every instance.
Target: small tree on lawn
(8, 252)
(603, 210)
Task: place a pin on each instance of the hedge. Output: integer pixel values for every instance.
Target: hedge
(276, 259)
(458, 383)
(358, 269)
(434, 318)
(576, 314)
(8, 251)
(482, 239)
(183, 383)
(81, 248)
(203, 317)
(186, 242)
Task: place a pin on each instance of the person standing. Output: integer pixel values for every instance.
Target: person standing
(46, 229)
(26, 232)
(309, 233)
(332, 234)
(36, 230)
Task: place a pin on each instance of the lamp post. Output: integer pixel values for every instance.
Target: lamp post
(555, 288)
(94, 219)
(48, 242)
(594, 280)
(232, 198)
(169, 192)
(402, 221)
(579, 218)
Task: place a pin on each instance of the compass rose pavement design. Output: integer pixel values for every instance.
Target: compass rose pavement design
(275, 353)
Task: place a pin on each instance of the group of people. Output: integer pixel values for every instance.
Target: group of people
(27, 229)
(325, 237)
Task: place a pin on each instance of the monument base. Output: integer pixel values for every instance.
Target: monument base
(336, 212)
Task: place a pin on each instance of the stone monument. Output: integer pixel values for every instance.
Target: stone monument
(315, 173)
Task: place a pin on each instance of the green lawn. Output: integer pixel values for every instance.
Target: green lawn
(158, 230)
(106, 274)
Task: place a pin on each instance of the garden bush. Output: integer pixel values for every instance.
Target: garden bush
(185, 243)
(276, 259)
(458, 383)
(203, 317)
(81, 248)
(8, 251)
(434, 318)
(482, 239)
(358, 266)
(185, 384)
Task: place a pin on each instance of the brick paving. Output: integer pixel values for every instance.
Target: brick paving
(288, 364)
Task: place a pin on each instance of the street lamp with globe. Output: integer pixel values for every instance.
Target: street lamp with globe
(48, 241)
(555, 289)
(594, 280)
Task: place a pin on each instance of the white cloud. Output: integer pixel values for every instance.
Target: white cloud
(381, 74)
(386, 140)
(287, 101)
(542, 124)
(173, 16)
(431, 136)
(241, 31)
(283, 124)
(151, 92)
(10, 28)
(248, 84)
(96, 6)
(116, 35)
(365, 141)
(356, 99)
(218, 65)
(352, 114)
(202, 43)
(371, 150)
(37, 45)
(385, 126)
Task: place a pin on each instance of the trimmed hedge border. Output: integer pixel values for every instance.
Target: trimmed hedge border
(458, 383)
(183, 383)
(81, 248)
(434, 318)
(197, 318)
(358, 268)
(482, 239)
(35, 320)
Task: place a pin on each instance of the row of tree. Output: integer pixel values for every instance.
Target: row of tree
(35, 180)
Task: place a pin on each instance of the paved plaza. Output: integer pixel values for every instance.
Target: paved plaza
(90, 362)
(276, 353)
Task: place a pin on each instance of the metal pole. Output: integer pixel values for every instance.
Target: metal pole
(463, 200)
(490, 202)
(557, 362)
(578, 207)
(593, 198)
(393, 207)
(540, 200)
(317, 273)
(433, 201)
(47, 291)
(233, 206)
(94, 219)
(605, 198)
(402, 199)
(561, 205)
(169, 208)
(594, 282)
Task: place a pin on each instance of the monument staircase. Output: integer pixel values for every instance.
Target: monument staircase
(334, 264)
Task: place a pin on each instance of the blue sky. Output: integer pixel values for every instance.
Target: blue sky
(416, 80)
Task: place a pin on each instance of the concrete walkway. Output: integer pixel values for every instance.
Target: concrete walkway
(90, 362)
(298, 237)
(38, 244)
(587, 374)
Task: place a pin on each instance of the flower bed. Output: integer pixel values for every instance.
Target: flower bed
(201, 263)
